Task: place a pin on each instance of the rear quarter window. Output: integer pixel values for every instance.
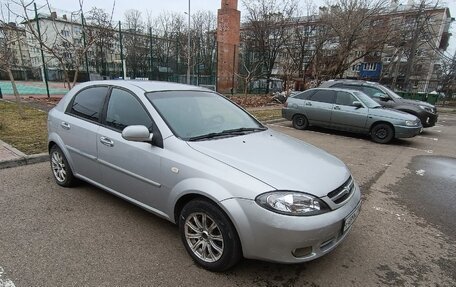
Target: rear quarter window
(304, 95)
(88, 103)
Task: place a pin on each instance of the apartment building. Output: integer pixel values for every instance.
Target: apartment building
(13, 38)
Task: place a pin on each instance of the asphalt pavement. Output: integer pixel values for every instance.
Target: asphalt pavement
(83, 236)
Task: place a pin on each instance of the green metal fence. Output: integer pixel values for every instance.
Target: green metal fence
(425, 97)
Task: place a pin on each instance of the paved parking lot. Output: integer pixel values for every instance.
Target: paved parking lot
(404, 236)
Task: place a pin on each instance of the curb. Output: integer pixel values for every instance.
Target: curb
(24, 160)
(274, 121)
(21, 158)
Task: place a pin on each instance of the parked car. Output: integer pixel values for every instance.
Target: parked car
(195, 158)
(426, 112)
(349, 110)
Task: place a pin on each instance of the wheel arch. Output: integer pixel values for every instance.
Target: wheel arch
(183, 200)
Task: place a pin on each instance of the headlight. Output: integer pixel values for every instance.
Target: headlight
(411, 123)
(427, 109)
(292, 203)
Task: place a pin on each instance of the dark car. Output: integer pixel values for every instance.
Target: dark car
(349, 110)
(426, 112)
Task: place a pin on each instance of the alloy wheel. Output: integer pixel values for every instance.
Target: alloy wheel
(204, 237)
(58, 167)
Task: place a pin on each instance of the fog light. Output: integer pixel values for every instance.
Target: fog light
(302, 252)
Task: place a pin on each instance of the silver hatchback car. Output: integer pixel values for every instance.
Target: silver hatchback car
(234, 187)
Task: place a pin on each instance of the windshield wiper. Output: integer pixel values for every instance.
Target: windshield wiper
(238, 131)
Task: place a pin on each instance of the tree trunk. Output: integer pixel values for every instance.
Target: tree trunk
(75, 78)
(16, 94)
(66, 77)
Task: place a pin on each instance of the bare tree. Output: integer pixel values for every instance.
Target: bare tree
(448, 79)
(99, 26)
(10, 36)
(61, 38)
(267, 29)
(136, 43)
(203, 41)
(355, 31)
(250, 67)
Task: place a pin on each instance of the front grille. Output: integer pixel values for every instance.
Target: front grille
(343, 192)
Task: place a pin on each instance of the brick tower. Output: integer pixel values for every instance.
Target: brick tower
(228, 39)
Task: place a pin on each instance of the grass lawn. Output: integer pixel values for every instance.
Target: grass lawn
(28, 135)
(267, 114)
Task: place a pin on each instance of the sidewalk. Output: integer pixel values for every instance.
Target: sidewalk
(11, 157)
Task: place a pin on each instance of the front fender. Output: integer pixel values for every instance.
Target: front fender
(197, 186)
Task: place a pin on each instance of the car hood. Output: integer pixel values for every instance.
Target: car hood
(280, 161)
(415, 102)
(392, 114)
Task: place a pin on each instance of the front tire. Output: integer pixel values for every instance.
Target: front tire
(300, 122)
(382, 133)
(209, 236)
(61, 170)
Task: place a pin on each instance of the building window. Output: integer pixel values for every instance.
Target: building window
(65, 33)
(370, 66)
(355, 68)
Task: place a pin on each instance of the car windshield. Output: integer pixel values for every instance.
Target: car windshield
(370, 103)
(391, 93)
(200, 115)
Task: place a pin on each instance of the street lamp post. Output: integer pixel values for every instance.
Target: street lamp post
(188, 46)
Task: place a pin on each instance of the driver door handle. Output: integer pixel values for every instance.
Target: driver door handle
(337, 108)
(308, 104)
(65, 125)
(106, 141)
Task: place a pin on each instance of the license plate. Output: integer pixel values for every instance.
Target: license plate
(348, 221)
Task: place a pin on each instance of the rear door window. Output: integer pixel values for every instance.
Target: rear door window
(88, 103)
(323, 96)
(372, 92)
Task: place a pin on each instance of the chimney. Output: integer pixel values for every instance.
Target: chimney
(64, 16)
(54, 15)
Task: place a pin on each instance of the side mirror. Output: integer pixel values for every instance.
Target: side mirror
(137, 134)
(357, 104)
(384, 98)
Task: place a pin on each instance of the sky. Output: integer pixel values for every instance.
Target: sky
(155, 7)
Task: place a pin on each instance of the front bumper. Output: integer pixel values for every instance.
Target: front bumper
(269, 236)
(428, 119)
(406, 131)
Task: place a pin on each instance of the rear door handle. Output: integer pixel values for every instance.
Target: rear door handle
(337, 108)
(65, 125)
(106, 141)
(308, 104)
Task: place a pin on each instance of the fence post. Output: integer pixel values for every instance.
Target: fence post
(151, 55)
(41, 49)
(84, 42)
(1, 95)
(121, 50)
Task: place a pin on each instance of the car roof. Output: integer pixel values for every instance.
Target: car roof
(148, 86)
(348, 81)
(334, 89)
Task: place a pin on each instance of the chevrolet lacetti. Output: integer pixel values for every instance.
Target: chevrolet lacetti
(234, 187)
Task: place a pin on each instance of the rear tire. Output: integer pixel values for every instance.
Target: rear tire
(61, 170)
(382, 133)
(300, 122)
(209, 236)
